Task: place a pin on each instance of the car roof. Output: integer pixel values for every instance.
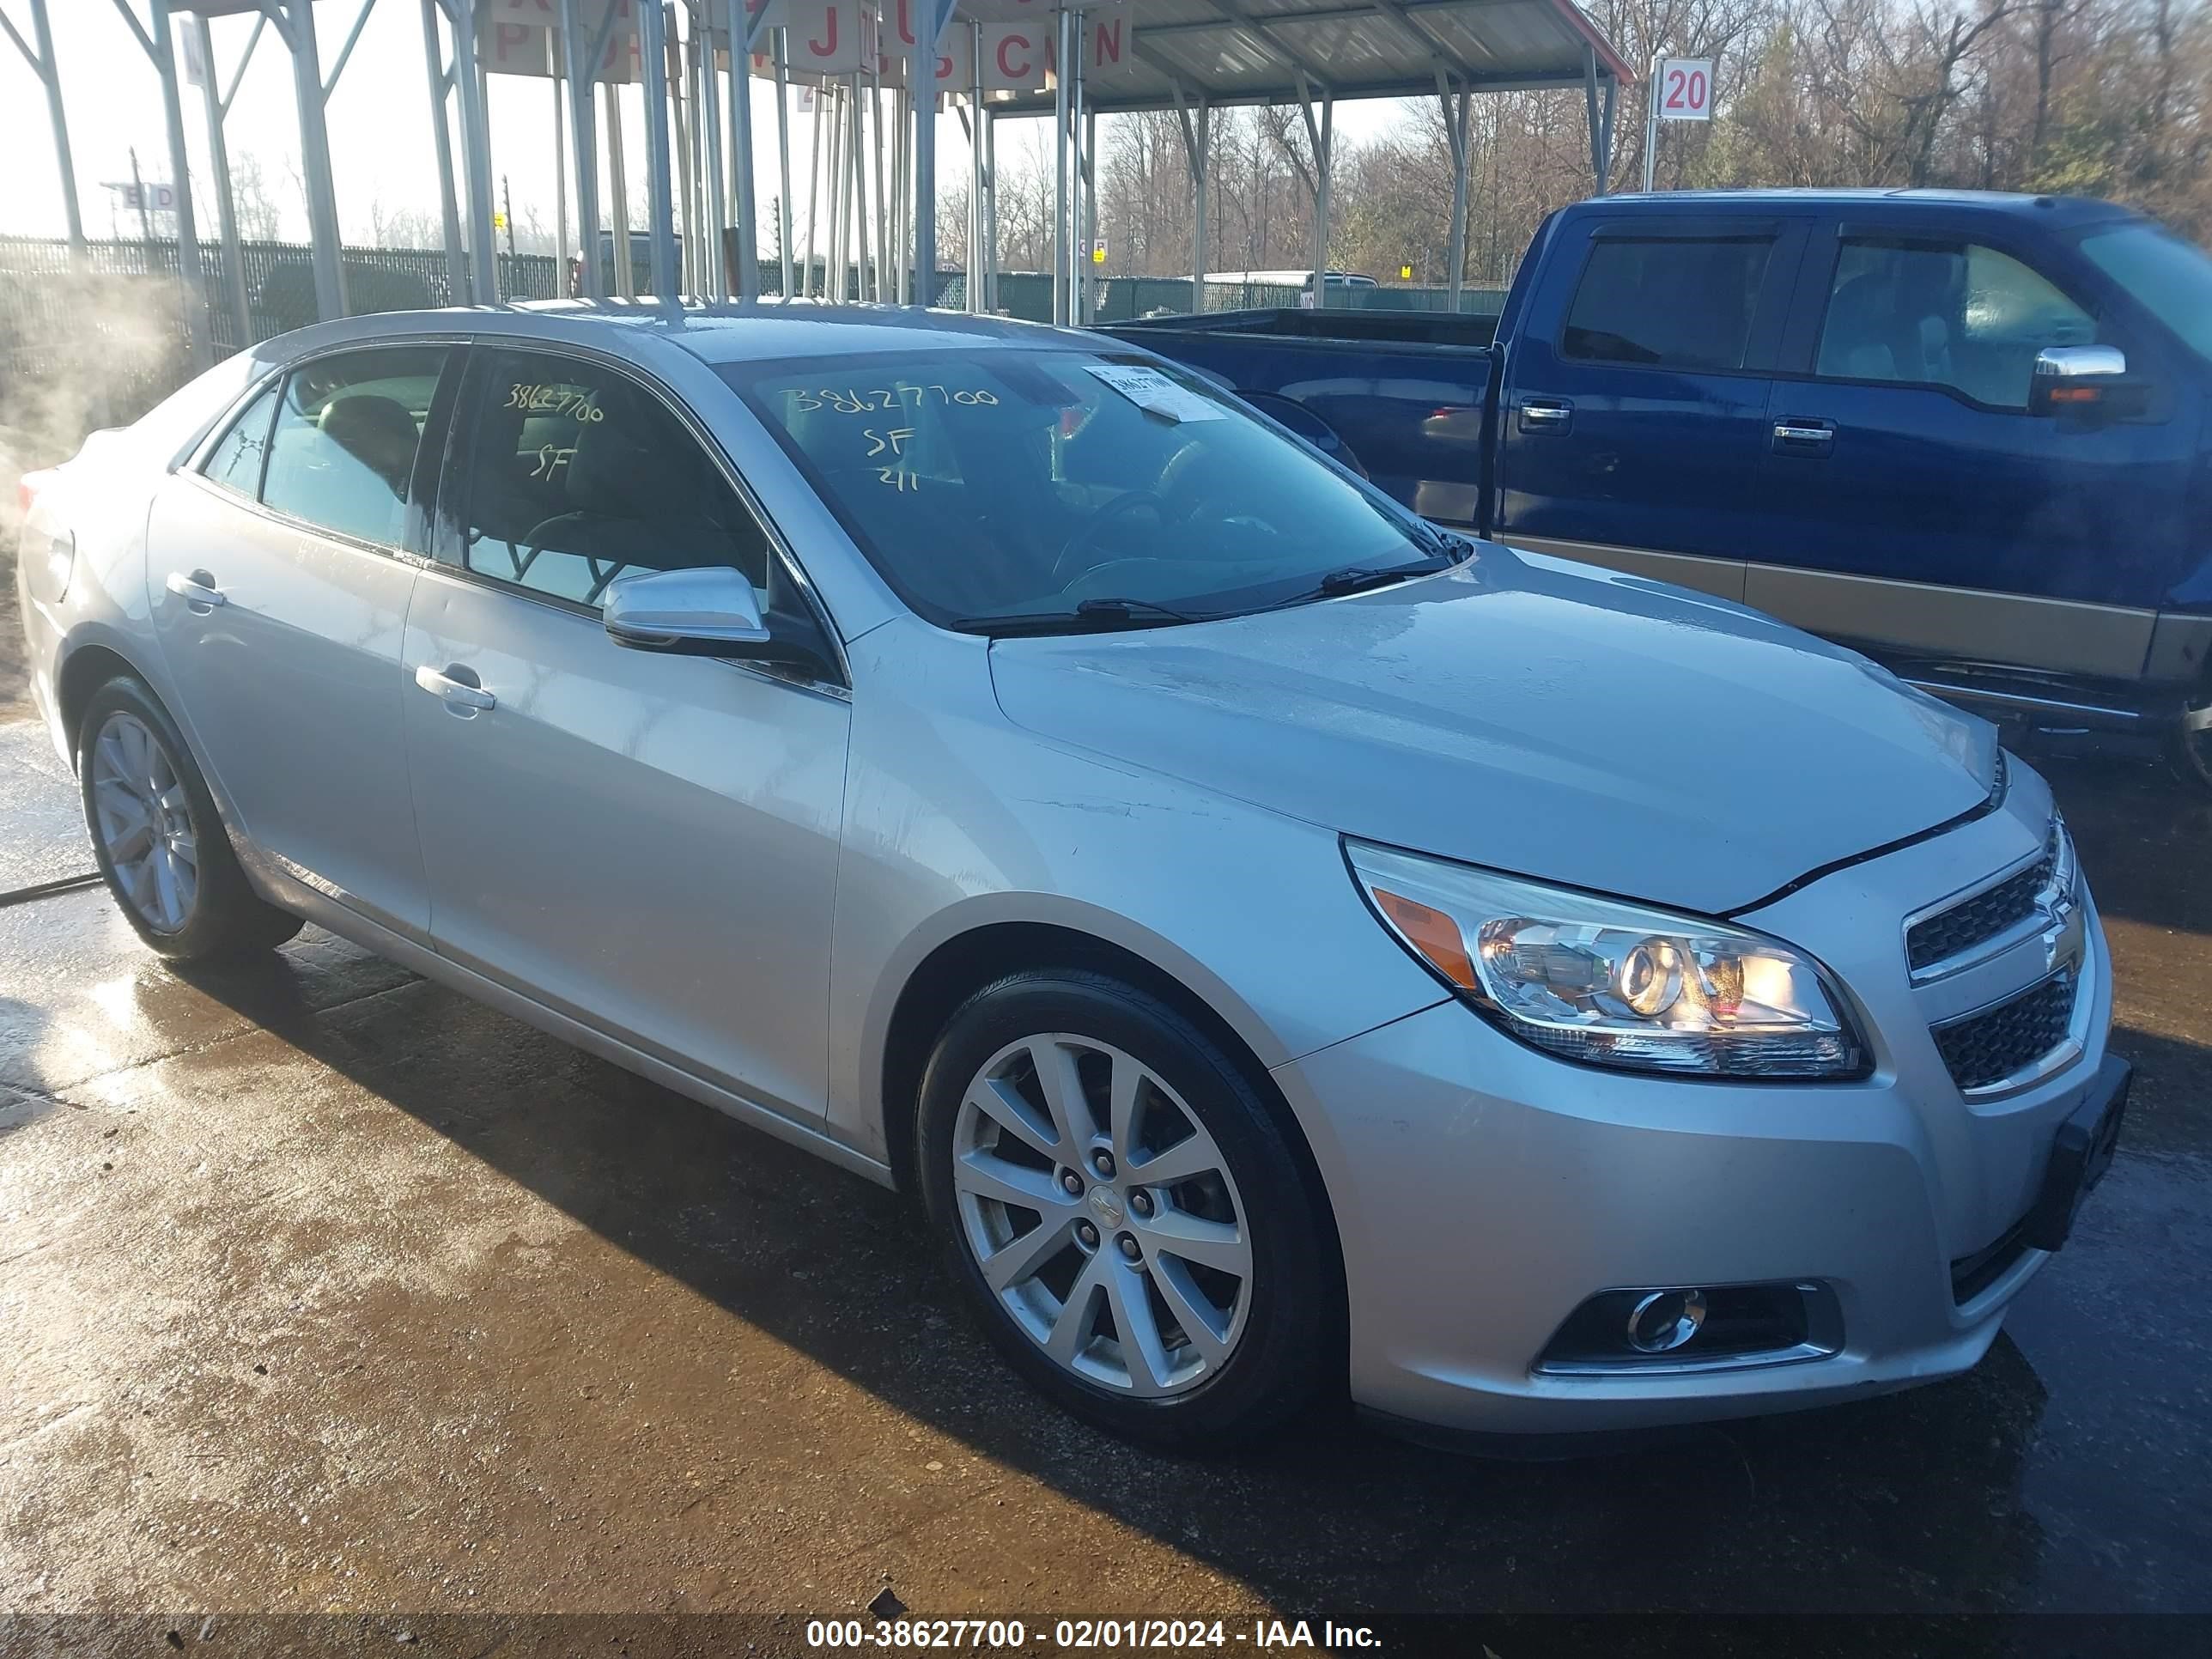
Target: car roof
(714, 333)
(2059, 210)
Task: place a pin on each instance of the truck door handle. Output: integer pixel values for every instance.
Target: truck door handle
(457, 694)
(1802, 437)
(1546, 414)
(197, 590)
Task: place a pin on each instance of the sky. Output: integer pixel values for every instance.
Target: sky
(381, 137)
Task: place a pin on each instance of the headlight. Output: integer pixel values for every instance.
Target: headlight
(1611, 983)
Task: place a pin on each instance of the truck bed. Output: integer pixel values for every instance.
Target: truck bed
(1404, 390)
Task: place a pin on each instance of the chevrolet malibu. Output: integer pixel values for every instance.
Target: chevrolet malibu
(1289, 950)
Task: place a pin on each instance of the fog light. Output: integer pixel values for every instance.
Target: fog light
(1698, 1328)
(1663, 1320)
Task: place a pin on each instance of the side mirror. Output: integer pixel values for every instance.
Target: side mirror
(2073, 377)
(712, 611)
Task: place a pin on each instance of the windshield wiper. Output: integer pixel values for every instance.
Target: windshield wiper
(1358, 578)
(1089, 616)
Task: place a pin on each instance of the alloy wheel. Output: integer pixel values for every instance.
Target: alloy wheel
(1103, 1215)
(143, 818)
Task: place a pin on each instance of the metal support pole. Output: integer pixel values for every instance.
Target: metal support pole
(718, 253)
(1093, 271)
(1650, 123)
(457, 262)
(813, 191)
(1455, 107)
(1060, 232)
(659, 199)
(475, 153)
(879, 274)
(1079, 250)
(783, 158)
(991, 216)
(1324, 166)
(741, 208)
(902, 204)
(1321, 136)
(1197, 146)
(684, 139)
(42, 61)
(191, 281)
(233, 265)
(922, 78)
(976, 184)
(583, 139)
(1596, 121)
(560, 183)
(1604, 139)
(859, 194)
(619, 183)
(833, 188)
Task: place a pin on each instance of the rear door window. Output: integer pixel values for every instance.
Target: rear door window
(341, 455)
(1673, 302)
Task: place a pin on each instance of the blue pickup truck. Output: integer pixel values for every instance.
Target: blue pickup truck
(1970, 434)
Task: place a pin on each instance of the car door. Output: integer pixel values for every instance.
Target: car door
(279, 570)
(645, 843)
(1936, 516)
(1635, 411)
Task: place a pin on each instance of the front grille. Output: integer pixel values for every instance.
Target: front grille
(1989, 1047)
(1978, 919)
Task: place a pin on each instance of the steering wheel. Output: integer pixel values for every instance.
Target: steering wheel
(1119, 508)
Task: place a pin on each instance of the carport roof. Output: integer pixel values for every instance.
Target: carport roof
(1256, 51)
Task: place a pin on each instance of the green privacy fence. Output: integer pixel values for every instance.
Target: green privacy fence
(40, 294)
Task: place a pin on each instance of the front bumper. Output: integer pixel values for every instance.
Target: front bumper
(1484, 1191)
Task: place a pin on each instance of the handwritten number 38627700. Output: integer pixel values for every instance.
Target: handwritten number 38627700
(852, 401)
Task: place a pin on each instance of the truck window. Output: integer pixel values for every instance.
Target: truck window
(1966, 317)
(1667, 303)
(2169, 277)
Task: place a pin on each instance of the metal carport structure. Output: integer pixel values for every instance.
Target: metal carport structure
(1196, 56)
(990, 60)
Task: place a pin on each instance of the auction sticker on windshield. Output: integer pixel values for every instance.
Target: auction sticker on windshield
(1154, 393)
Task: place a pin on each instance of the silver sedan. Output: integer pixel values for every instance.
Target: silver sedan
(1291, 949)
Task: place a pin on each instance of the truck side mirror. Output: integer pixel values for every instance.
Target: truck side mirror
(2073, 377)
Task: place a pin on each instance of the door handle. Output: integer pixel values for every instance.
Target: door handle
(1547, 415)
(455, 694)
(1801, 437)
(197, 590)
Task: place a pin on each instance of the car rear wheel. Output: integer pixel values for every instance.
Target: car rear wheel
(157, 836)
(1124, 1210)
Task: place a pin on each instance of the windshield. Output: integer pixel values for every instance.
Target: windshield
(2171, 278)
(1019, 484)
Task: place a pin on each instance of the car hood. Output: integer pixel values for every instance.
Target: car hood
(1532, 715)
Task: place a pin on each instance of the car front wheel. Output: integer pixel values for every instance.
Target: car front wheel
(1125, 1212)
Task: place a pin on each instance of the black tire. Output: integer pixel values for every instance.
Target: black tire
(2190, 754)
(225, 917)
(1284, 1354)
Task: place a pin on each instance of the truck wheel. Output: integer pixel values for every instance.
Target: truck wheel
(2192, 745)
(156, 836)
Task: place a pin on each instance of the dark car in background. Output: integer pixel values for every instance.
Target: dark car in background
(1966, 433)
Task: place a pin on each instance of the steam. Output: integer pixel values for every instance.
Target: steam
(76, 353)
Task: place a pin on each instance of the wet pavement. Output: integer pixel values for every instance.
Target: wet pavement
(322, 1287)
